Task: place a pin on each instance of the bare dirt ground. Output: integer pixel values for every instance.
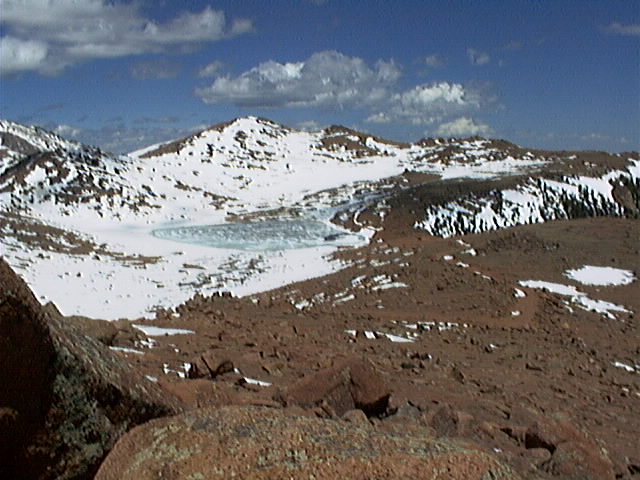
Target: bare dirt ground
(484, 362)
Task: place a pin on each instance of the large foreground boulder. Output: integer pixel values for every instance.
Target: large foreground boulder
(265, 443)
(64, 398)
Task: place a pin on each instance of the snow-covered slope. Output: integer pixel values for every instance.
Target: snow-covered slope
(79, 223)
(46, 176)
(537, 200)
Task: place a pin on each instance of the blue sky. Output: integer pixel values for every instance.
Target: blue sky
(122, 75)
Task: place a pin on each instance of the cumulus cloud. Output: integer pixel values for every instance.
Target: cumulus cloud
(326, 79)
(477, 57)
(49, 35)
(428, 103)
(622, 29)
(435, 61)
(463, 127)
(332, 80)
(424, 104)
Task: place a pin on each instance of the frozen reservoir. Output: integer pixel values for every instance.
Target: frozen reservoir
(265, 235)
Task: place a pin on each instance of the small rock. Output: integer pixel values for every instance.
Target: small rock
(449, 422)
(357, 417)
(457, 374)
(538, 456)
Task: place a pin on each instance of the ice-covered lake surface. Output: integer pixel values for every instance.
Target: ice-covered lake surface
(268, 235)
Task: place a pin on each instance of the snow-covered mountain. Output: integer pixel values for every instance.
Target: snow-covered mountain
(127, 233)
(244, 166)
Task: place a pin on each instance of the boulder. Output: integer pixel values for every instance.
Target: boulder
(65, 397)
(349, 384)
(571, 453)
(574, 453)
(266, 443)
(449, 422)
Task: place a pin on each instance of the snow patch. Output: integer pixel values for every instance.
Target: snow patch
(152, 331)
(591, 275)
(579, 298)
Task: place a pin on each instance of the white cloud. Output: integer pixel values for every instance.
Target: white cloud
(214, 69)
(242, 25)
(67, 131)
(380, 117)
(428, 95)
(156, 69)
(427, 104)
(435, 61)
(622, 29)
(326, 79)
(332, 80)
(477, 57)
(309, 126)
(18, 55)
(463, 126)
(70, 31)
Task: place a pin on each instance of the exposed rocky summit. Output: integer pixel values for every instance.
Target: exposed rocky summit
(65, 398)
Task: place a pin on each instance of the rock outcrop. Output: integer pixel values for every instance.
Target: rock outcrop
(65, 398)
(265, 443)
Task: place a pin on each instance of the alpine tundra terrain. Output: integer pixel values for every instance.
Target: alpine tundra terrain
(318, 305)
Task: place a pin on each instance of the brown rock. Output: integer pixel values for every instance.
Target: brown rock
(263, 443)
(571, 452)
(66, 398)
(348, 385)
(537, 456)
(206, 366)
(449, 422)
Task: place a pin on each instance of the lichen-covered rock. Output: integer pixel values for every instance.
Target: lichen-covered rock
(265, 443)
(65, 398)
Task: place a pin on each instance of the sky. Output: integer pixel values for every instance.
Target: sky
(121, 74)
